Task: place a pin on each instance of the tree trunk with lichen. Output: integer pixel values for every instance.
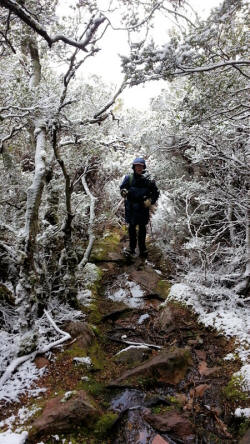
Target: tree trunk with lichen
(28, 290)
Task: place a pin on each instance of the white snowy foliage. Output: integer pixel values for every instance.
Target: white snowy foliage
(23, 380)
(164, 220)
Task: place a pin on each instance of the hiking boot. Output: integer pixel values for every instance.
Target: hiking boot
(143, 254)
(128, 252)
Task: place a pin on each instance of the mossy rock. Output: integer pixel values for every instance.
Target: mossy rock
(102, 247)
(163, 288)
(105, 424)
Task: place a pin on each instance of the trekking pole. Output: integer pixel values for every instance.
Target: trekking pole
(150, 224)
(118, 206)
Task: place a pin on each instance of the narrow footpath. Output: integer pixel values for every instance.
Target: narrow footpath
(139, 369)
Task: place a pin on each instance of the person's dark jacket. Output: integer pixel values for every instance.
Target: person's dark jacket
(140, 188)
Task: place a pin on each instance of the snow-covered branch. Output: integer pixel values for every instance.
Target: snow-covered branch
(31, 356)
(189, 69)
(112, 101)
(90, 225)
(27, 18)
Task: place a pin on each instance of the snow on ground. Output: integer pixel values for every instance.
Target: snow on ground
(21, 382)
(227, 317)
(25, 376)
(13, 438)
(124, 290)
(19, 436)
(242, 412)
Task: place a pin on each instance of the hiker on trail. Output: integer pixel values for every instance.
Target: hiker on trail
(139, 192)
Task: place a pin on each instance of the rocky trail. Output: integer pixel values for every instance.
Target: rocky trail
(137, 370)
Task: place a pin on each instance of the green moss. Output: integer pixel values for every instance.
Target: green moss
(244, 426)
(81, 435)
(147, 382)
(105, 424)
(102, 247)
(97, 355)
(163, 288)
(73, 351)
(162, 408)
(96, 330)
(95, 316)
(92, 386)
(234, 391)
(95, 286)
(174, 401)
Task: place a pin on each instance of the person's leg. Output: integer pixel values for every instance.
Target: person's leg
(132, 237)
(142, 240)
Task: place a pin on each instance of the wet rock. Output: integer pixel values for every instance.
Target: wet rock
(127, 399)
(81, 331)
(169, 366)
(61, 417)
(246, 438)
(171, 422)
(133, 354)
(132, 428)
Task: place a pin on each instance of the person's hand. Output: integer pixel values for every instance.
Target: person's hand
(124, 192)
(147, 203)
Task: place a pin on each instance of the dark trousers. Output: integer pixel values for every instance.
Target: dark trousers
(133, 237)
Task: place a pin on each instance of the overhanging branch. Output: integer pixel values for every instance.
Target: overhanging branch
(233, 63)
(27, 18)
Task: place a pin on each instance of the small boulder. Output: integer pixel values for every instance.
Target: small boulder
(165, 318)
(59, 416)
(171, 422)
(82, 331)
(159, 440)
(132, 354)
(168, 366)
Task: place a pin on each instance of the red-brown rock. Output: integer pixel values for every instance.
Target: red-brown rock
(59, 416)
(169, 366)
(159, 440)
(171, 422)
(81, 331)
